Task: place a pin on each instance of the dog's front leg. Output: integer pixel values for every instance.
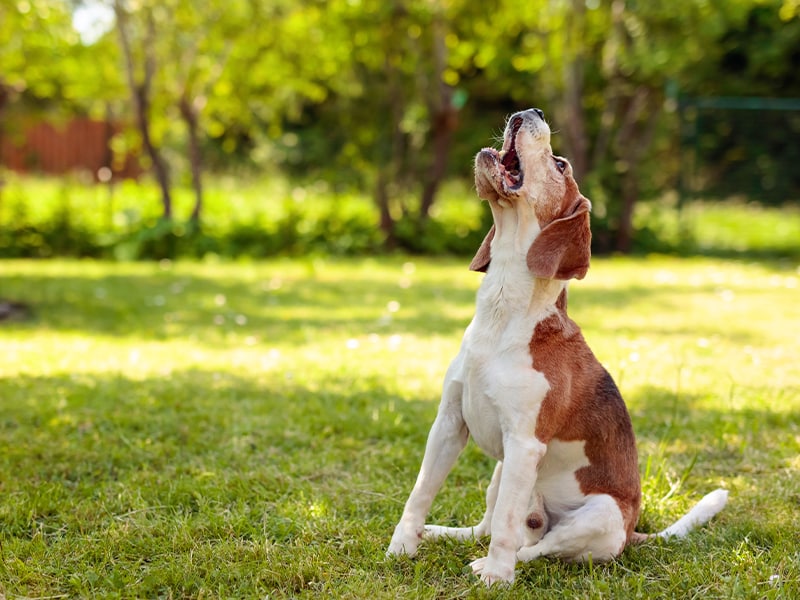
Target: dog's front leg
(482, 528)
(518, 479)
(446, 440)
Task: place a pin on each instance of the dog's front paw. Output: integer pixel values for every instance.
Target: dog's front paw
(492, 573)
(404, 542)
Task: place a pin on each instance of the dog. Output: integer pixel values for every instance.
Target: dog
(527, 388)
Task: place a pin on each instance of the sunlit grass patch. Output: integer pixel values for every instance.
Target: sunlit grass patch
(244, 430)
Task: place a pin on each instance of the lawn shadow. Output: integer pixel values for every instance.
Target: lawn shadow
(288, 309)
(209, 309)
(84, 446)
(659, 412)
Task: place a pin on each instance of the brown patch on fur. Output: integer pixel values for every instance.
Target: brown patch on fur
(561, 301)
(563, 192)
(583, 403)
(562, 249)
(484, 254)
(534, 521)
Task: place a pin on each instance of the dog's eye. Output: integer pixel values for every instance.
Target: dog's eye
(560, 165)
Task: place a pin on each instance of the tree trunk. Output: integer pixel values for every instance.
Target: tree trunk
(107, 177)
(387, 178)
(629, 185)
(189, 114)
(141, 102)
(387, 223)
(444, 120)
(634, 137)
(140, 93)
(575, 120)
(613, 92)
(444, 123)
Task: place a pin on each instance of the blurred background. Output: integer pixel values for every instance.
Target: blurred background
(143, 129)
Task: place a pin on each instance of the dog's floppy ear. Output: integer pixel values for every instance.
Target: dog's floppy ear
(563, 248)
(484, 255)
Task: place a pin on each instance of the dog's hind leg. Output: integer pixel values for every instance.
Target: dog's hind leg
(481, 529)
(537, 522)
(595, 530)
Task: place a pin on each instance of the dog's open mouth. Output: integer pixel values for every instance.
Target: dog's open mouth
(509, 159)
(498, 173)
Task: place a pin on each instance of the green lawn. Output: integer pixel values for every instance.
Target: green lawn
(245, 430)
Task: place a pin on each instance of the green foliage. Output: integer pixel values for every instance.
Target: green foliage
(43, 218)
(355, 92)
(188, 430)
(747, 152)
(45, 64)
(734, 158)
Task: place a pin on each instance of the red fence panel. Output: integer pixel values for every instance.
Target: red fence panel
(79, 145)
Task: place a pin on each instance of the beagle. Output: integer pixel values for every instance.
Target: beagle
(528, 389)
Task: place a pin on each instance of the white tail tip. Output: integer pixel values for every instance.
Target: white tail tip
(700, 513)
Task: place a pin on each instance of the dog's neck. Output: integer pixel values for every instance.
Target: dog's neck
(515, 229)
(509, 287)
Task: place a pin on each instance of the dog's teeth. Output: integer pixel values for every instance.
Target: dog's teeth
(502, 154)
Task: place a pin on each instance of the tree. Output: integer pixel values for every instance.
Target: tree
(199, 45)
(215, 66)
(604, 66)
(138, 42)
(394, 95)
(371, 93)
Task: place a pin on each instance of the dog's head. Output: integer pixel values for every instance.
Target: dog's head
(526, 177)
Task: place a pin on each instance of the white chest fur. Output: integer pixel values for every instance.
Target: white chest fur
(502, 392)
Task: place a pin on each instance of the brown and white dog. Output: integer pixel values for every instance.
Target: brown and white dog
(528, 389)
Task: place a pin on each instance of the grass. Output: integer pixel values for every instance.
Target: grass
(251, 430)
(732, 228)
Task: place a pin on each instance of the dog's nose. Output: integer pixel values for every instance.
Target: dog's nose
(539, 112)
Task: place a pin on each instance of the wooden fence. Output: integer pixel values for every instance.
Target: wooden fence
(79, 146)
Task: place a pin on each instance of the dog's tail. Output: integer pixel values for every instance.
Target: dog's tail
(700, 513)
